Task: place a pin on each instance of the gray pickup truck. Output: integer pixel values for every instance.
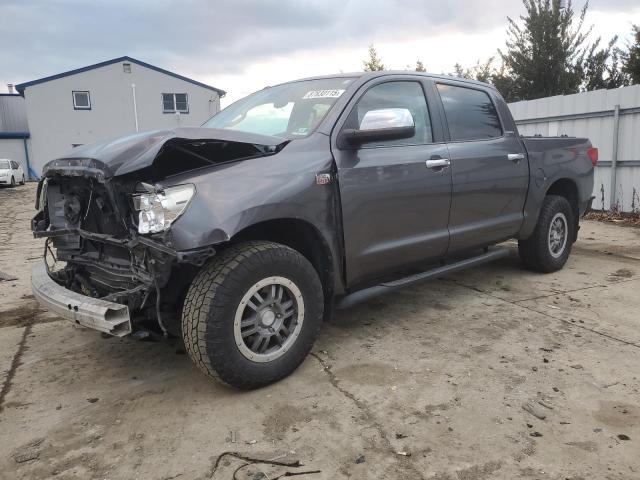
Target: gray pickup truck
(240, 236)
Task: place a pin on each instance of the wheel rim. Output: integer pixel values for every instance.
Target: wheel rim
(557, 235)
(268, 319)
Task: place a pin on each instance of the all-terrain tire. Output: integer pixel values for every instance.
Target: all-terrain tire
(537, 252)
(214, 297)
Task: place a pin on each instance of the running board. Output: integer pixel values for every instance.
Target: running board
(363, 295)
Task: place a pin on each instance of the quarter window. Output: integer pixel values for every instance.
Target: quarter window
(81, 100)
(404, 94)
(470, 113)
(175, 102)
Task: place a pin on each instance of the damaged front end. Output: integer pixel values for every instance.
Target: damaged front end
(108, 237)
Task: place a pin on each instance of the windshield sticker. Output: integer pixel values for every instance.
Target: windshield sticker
(301, 131)
(323, 94)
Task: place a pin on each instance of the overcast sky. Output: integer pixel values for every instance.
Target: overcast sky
(243, 45)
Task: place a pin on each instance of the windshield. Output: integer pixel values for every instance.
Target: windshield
(289, 111)
(4, 164)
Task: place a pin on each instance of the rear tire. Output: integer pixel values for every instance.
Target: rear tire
(261, 287)
(13, 182)
(23, 181)
(549, 246)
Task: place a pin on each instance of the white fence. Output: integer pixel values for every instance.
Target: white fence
(611, 120)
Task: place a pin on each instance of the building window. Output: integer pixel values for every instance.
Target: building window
(81, 101)
(126, 67)
(175, 102)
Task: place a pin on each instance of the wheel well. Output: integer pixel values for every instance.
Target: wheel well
(302, 237)
(567, 188)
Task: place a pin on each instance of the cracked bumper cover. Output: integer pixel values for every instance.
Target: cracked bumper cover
(108, 317)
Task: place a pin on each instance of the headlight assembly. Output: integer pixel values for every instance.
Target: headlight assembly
(158, 210)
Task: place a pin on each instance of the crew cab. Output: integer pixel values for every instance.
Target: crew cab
(239, 237)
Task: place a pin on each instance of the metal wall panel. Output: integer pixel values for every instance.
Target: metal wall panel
(591, 115)
(13, 114)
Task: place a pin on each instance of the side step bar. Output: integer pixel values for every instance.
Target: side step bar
(363, 295)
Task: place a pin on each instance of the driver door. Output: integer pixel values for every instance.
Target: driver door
(396, 193)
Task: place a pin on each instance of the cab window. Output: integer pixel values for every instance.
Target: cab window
(401, 94)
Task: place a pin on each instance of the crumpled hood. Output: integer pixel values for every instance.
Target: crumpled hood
(134, 152)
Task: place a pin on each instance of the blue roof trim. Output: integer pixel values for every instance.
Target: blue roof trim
(21, 87)
(14, 134)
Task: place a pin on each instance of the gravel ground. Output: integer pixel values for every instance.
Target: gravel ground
(490, 373)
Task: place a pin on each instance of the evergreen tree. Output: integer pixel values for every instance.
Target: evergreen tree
(545, 55)
(631, 58)
(480, 71)
(602, 68)
(420, 67)
(373, 63)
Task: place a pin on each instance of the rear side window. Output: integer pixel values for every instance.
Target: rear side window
(470, 113)
(401, 94)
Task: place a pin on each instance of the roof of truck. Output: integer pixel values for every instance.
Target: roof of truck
(382, 73)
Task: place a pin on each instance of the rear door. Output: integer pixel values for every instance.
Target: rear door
(490, 171)
(395, 207)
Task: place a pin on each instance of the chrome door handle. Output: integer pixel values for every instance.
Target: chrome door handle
(440, 162)
(515, 157)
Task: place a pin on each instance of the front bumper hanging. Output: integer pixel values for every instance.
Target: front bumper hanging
(108, 317)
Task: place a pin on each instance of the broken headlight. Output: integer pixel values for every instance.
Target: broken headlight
(157, 210)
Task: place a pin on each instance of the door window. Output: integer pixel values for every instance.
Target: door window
(470, 113)
(405, 94)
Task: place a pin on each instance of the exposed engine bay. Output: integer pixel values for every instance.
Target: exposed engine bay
(108, 237)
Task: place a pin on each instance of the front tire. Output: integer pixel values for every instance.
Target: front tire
(13, 182)
(549, 246)
(252, 314)
(23, 181)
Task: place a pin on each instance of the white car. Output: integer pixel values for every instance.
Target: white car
(11, 172)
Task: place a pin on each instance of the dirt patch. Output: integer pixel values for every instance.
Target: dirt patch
(623, 273)
(284, 418)
(618, 415)
(30, 313)
(375, 374)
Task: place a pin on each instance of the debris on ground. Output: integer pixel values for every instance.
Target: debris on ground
(92, 399)
(404, 454)
(534, 410)
(535, 434)
(614, 217)
(545, 404)
(5, 277)
(360, 458)
(622, 436)
(256, 461)
(28, 452)
(400, 435)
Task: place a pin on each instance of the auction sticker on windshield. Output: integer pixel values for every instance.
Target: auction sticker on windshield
(323, 94)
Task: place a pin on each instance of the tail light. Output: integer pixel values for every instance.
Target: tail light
(593, 155)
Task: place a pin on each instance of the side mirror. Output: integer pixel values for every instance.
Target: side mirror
(382, 124)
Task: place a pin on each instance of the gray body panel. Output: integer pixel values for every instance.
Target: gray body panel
(383, 210)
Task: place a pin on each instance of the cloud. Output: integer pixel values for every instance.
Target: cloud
(228, 37)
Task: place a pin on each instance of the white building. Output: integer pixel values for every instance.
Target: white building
(107, 100)
(14, 131)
